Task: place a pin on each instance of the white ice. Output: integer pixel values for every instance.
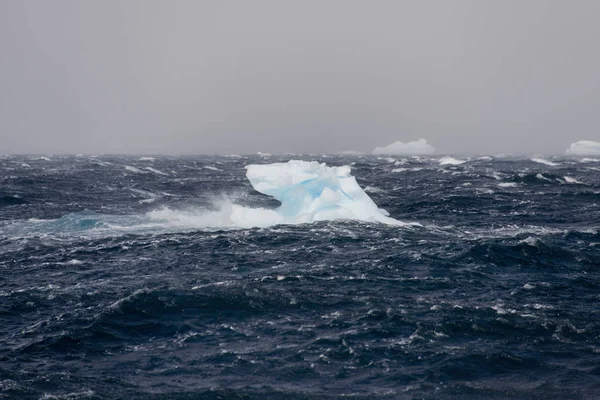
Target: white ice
(309, 191)
(415, 148)
(584, 148)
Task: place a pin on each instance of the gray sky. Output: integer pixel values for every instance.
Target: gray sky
(195, 77)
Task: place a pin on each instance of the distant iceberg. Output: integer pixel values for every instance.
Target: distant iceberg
(309, 191)
(416, 148)
(350, 153)
(584, 148)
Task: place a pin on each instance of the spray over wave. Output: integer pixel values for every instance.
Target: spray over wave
(308, 192)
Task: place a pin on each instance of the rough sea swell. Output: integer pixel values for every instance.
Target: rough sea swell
(124, 277)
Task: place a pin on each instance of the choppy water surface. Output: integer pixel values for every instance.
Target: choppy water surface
(122, 277)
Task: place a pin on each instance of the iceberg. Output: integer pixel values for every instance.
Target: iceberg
(309, 191)
(584, 148)
(416, 148)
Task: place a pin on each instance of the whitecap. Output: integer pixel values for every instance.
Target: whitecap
(542, 177)
(530, 240)
(496, 176)
(450, 161)
(484, 191)
(156, 171)
(545, 162)
(528, 286)
(134, 169)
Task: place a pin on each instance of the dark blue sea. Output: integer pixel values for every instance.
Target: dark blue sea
(125, 278)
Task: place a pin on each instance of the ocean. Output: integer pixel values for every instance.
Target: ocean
(169, 278)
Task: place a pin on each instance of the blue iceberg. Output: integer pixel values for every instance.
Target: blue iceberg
(310, 191)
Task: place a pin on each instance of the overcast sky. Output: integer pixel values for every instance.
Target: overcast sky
(198, 77)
